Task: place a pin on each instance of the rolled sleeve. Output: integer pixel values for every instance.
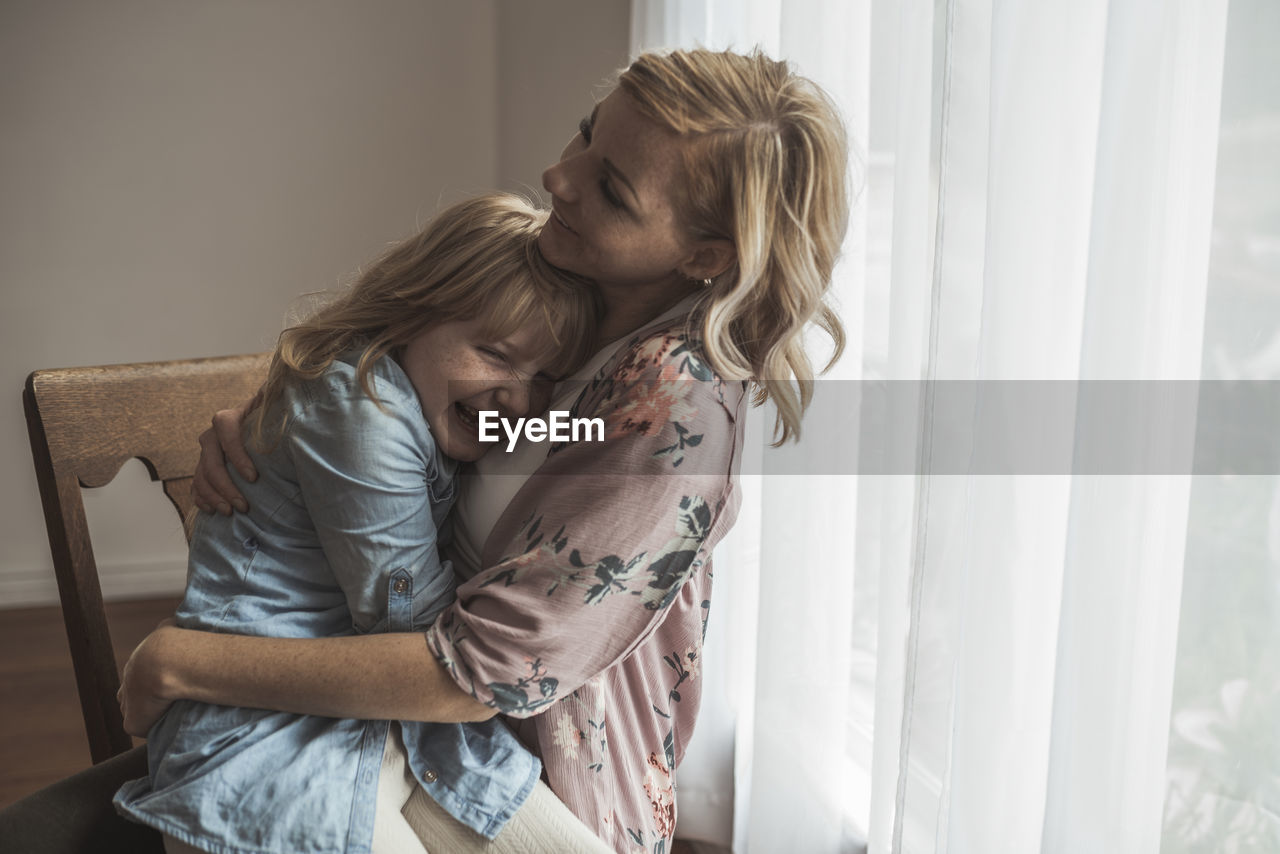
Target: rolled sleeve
(364, 472)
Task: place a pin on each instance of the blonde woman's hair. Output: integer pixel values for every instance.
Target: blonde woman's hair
(476, 259)
(766, 169)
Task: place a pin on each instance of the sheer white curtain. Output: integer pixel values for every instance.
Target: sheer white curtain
(991, 648)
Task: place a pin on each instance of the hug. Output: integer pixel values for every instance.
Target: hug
(397, 636)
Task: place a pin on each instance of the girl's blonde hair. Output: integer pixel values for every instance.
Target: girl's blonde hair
(476, 259)
(766, 169)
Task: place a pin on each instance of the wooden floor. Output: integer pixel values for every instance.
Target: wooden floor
(41, 732)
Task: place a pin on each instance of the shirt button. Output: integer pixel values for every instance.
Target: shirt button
(401, 585)
(429, 776)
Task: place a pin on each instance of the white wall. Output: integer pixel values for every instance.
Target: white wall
(173, 175)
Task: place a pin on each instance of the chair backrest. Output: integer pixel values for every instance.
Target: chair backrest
(84, 424)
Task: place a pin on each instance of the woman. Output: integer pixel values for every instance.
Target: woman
(706, 197)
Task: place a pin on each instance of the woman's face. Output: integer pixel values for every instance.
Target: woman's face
(613, 214)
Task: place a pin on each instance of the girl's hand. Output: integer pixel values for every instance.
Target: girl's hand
(142, 696)
(212, 488)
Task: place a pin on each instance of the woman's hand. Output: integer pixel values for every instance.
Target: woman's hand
(212, 489)
(142, 693)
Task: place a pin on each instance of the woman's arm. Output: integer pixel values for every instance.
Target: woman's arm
(386, 676)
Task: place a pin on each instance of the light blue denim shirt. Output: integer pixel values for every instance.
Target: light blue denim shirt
(341, 538)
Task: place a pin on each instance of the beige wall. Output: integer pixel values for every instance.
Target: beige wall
(174, 174)
(553, 56)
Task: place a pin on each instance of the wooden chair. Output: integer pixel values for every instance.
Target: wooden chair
(84, 424)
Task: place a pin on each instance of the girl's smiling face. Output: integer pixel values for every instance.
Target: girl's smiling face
(614, 218)
(458, 370)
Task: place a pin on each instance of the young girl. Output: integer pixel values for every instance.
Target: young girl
(367, 408)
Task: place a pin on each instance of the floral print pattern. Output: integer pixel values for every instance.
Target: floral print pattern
(586, 628)
(662, 795)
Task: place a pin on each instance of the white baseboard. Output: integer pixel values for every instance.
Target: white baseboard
(30, 588)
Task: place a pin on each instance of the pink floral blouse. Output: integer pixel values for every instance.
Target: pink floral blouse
(586, 629)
